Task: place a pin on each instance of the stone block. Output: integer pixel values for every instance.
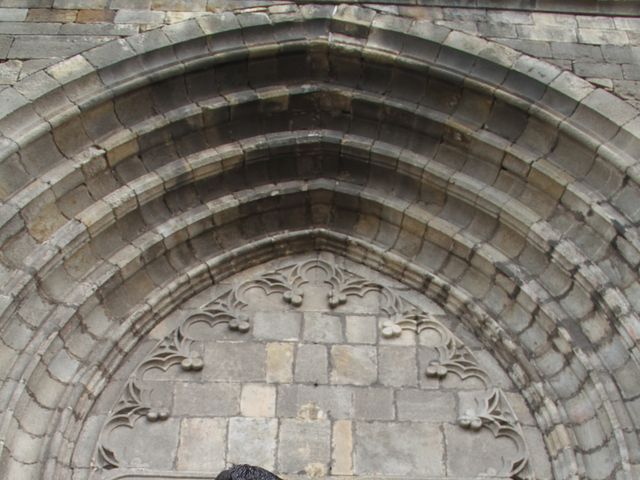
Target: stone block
(551, 33)
(63, 366)
(95, 16)
(10, 101)
(202, 444)
(5, 44)
(311, 364)
(236, 362)
(598, 70)
(398, 449)
(12, 176)
(304, 445)
(280, 362)
(52, 15)
(258, 400)
(48, 46)
(128, 4)
(323, 328)
(282, 326)
(252, 441)
(474, 453)
(151, 445)
(600, 36)
(9, 72)
(80, 3)
(222, 399)
(179, 5)
(342, 448)
(70, 69)
(355, 365)
(24, 28)
(13, 14)
(361, 329)
(426, 406)
(397, 366)
(142, 17)
(373, 404)
(327, 401)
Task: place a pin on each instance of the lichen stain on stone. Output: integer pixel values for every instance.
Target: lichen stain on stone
(311, 411)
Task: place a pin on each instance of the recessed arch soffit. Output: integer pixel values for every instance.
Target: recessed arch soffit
(480, 166)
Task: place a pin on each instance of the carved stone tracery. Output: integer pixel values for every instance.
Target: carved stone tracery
(493, 411)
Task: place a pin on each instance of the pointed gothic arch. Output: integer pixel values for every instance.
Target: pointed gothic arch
(145, 170)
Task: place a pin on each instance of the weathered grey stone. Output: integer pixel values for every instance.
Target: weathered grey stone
(154, 444)
(361, 328)
(47, 46)
(222, 399)
(342, 448)
(331, 402)
(436, 163)
(398, 449)
(13, 14)
(323, 328)
(252, 441)
(139, 17)
(373, 403)
(202, 445)
(303, 445)
(311, 364)
(258, 400)
(485, 456)
(235, 362)
(355, 365)
(282, 326)
(397, 366)
(426, 406)
(280, 362)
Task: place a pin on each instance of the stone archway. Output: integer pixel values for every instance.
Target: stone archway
(491, 182)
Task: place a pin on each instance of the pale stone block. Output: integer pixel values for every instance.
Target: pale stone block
(356, 365)
(328, 401)
(279, 362)
(374, 403)
(149, 445)
(397, 366)
(407, 449)
(342, 448)
(252, 441)
(202, 444)
(473, 453)
(221, 399)
(323, 328)
(426, 406)
(258, 400)
(277, 325)
(361, 329)
(304, 445)
(236, 362)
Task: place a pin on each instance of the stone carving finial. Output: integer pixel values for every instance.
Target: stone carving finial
(246, 472)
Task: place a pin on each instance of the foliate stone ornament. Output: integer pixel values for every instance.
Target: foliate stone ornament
(469, 419)
(230, 308)
(226, 309)
(453, 355)
(194, 363)
(175, 349)
(288, 282)
(496, 415)
(436, 369)
(391, 329)
(128, 410)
